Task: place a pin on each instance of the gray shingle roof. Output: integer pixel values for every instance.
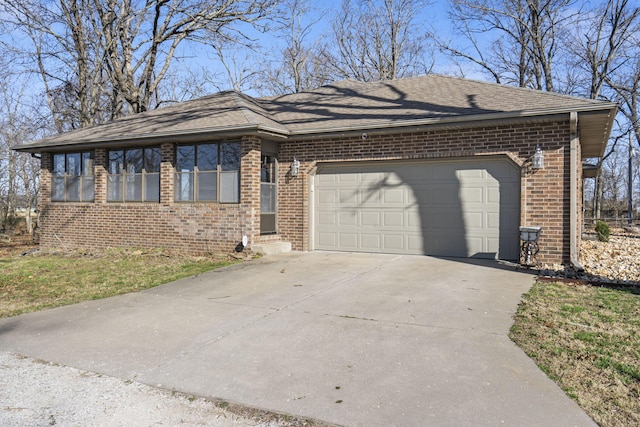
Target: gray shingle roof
(342, 106)
(222, 112)
(349, 104)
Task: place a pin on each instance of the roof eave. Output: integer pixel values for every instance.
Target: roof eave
(200, 135)
(595, 143)
(445, 122)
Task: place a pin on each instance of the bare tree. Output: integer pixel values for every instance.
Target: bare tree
(601, 46)
(300, 61)
(614, 184)
(239, 63)
(377, 40)
(97, 55)
(18, 171)
(528, 43)
(185, 83)
(605, 51)
(62, 52)
(296, 73)
(140, 41)
(627, 87)
(514, 41)
(300, 65)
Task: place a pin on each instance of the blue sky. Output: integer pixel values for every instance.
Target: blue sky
(195, 56)
(431, 16)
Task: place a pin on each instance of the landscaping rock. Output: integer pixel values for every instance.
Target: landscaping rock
(632, 230)
(615, 261)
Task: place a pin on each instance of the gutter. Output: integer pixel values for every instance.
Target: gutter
(444, 122)
(573, 192)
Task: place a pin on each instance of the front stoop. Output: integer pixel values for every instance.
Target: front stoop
(271, 248)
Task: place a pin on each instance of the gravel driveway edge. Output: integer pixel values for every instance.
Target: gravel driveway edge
(37, 393)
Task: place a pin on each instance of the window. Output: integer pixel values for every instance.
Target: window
(134, 175)
(208, 173)
(72, 179)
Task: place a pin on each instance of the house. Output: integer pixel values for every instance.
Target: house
(431, 165)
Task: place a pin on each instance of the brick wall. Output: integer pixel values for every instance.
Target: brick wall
(545, 202)
(183, 227)
(213, 227)
(544, 193)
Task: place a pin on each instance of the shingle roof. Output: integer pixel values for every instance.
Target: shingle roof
(224, 111)
(351, 104)
(338, 107)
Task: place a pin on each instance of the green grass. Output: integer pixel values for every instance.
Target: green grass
(33, 283)
(587, 339)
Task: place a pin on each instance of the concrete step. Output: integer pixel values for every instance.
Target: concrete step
(271, 248)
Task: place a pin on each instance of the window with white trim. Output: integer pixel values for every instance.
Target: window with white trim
(134, 175)
(72, 179)
(208, 173)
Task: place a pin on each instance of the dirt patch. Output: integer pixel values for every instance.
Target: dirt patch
(15, 242)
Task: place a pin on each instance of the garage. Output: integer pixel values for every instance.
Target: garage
(450, 208)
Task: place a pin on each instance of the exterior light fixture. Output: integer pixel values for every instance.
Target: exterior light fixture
(295, 167)
(538, 159)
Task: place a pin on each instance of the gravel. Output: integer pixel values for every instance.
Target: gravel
(616, 261)
(37, 393)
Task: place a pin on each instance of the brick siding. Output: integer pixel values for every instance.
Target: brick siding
(544, 193)
(182, 227)
(216, 227)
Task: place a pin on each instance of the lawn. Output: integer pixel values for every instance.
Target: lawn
(30, 283)
(587, 339)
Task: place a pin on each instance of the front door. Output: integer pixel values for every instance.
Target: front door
(268, 194)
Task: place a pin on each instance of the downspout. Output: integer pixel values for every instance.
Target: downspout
(573, 192)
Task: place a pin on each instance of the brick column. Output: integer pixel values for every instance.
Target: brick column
(167, 173)
(304, 184)
(250, 187)
(546, 194)
(294, 210)
(579, 225)
(44, 198)
(100, 175)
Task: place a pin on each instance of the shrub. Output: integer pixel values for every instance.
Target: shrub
(603, 231)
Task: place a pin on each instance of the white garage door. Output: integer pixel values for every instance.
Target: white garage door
(462, 208)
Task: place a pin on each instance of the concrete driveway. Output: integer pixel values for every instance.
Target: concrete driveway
(351, 339)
